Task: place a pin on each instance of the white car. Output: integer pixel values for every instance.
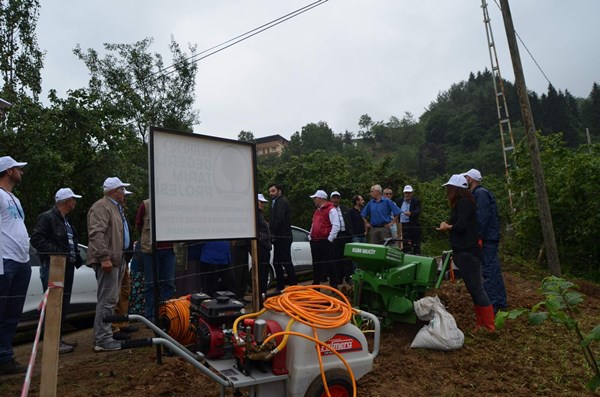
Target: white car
(301, 255)
(83, 296)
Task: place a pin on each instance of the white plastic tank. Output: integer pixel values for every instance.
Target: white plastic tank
(301, 355)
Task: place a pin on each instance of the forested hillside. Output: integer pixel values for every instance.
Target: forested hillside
(101, 129)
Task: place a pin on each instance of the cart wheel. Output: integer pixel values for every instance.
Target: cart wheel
(338, 382)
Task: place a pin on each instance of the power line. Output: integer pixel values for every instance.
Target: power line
(233, 41)
(529, 52)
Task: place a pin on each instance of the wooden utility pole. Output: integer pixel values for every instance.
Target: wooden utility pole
(534, 151)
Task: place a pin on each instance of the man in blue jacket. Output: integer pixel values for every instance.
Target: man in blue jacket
(489, 236)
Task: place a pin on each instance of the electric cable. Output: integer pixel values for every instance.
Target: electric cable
(235, 40)
(527, 49)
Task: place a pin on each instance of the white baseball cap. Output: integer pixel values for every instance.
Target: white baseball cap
(335, 193)
(8, 162)
(458, 181)
(262, 198)
(320, 194)
(113, 183)
(65, 193)
(473, 173)
(408, 189)
(127, 192)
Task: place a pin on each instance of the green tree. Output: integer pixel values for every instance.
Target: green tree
(314, 136)
(590, 113)
(138, 91)
(20, 58)
(246, 136)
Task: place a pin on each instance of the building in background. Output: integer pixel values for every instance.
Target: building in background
(271, 145)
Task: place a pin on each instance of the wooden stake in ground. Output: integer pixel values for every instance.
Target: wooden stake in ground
(51, 344)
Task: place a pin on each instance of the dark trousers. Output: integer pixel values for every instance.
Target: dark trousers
(343, 266)
(469, 265)
(492, 275)
(323, 257)
(239, 260)
(282, 259)
(264, 259)
(13, 288)
(411, 236)
(216, 278)
(68, 287)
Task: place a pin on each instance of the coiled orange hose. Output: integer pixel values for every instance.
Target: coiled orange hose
(308, 305)
(311, 307)
(176, 312)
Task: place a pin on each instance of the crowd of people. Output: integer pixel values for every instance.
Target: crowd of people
(473, 228)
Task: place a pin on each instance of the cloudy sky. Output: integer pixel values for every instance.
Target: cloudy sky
(333, 63)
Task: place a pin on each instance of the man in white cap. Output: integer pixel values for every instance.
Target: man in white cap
(121, 330)
(489, 237)
(343, 266)
(323, 231)
(54, 234)
(410, 208)
(15, 271)
(108, 237)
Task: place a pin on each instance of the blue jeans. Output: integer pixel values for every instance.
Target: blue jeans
(13, 288)
(492, 275)
(165, 259)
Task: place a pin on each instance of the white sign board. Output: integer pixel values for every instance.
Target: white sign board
(202, 188)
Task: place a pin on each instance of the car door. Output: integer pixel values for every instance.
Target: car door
(301, 256)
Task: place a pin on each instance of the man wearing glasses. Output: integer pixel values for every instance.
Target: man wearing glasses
(108, 237)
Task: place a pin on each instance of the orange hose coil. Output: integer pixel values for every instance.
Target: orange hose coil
(177, 312)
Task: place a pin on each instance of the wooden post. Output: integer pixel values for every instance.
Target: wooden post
(534, 151)
(256, 298)
(51, 344)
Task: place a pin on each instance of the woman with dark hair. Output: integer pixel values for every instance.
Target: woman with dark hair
(464, 229)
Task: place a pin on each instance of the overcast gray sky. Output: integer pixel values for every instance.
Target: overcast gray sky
(333, 63)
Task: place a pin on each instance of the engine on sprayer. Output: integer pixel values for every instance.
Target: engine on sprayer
(213, 318)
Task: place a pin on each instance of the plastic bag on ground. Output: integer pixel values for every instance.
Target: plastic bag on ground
(441, 333)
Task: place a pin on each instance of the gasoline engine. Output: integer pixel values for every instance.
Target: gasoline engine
(284, 348)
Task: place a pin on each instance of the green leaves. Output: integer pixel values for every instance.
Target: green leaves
(559, 306)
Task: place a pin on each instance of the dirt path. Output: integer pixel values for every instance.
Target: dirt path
(520, 360)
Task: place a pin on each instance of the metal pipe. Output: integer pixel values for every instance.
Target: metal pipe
(377, 326)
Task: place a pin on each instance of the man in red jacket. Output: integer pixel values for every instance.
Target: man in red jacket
(324, 230)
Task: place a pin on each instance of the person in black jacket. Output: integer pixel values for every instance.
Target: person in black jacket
(343, 266)
(264, 246)
(281, 236)
(464, 231)
(54, 234)
(409, 221)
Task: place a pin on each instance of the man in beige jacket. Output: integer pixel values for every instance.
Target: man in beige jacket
(108, 238)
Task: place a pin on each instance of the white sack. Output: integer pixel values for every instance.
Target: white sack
(441, 333)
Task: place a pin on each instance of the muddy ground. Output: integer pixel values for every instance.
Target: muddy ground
(520, 360)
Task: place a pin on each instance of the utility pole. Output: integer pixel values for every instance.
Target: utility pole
(534, 151)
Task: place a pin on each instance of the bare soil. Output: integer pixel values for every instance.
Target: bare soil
(520, 360)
